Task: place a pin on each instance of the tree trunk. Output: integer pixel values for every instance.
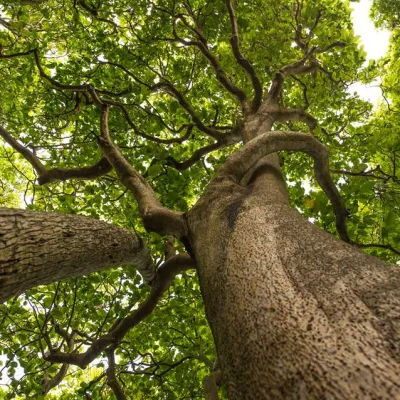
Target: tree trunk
(37, 248)
(295, 313)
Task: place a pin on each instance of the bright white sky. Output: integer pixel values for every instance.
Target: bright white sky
(375, 43)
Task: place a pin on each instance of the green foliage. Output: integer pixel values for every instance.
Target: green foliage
(122, 48)
(386, 13)
(12, 184)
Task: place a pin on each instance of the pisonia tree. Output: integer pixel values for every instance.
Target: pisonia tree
(229, 185)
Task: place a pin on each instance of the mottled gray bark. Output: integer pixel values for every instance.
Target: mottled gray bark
(38, 248)
(295, 313)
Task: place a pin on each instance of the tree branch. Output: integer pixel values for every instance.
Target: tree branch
(368, 174)
(75, 88)
(296, 114)
(53, 382)
(304, 66)
(232, 137)
(243, 62)
(111, 377)
(25, 152)
(189, 128)
(15, 55)
(171, 90)
(196, 156)
(201, 44)
(236, 165)
(32, 2)
(101, 168)
(42, 73)
(155, 217)
(164, 278)
(379, 245)
(210, 385)
(296, 68)
(30, 252)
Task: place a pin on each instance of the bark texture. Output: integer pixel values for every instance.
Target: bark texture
(38, 248)
(295, 313)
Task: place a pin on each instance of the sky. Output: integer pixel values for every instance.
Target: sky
(375, 43)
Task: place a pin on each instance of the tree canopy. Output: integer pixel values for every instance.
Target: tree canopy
(177, 77)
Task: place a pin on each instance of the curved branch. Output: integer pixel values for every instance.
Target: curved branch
(232, 137)
(101, 168)
(236, 165)
(378, 245)
(368, 174)
(196, 156)
(15, 55)
(201, 44)
(50, 383)
(296, 114)
(111, 376)
(163, 280)
(296, 68)
(75, 88)
(210, 385)
(304, 66)
(168, 87)
(24, 151)
(42, 73)
(156, 218)
(242, 61)
(189, 128)
(171, 90)
(30, 252)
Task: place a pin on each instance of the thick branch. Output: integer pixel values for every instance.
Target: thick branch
(236, 165)
(38, 248)
(101, 168)
(296, 68)
(164, 278)
(155, 217)
(50, 383)
(25, 152)
(296, 114)
(210, 384)
(243, 62)
(111, 377)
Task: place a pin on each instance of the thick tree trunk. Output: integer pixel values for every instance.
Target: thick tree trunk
(295, 313)
(38, 248)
